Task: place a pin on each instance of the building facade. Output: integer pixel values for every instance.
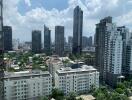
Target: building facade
(59, 40)
(27, 85)
(103, 31)
(36, 41)
(90, 41)
(79, 80)
(115, 48)
(70, 42)
(54, 63)
(7, 31)
(84, 42)
(126, 35)
(47, 40)
(77, 30)
(128, 67)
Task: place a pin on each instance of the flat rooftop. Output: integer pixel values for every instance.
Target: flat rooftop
(83, 68)
(27, 73)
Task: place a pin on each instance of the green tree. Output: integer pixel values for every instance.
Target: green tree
(57, 94)
(71, 96)
(119, 90)
(121, 85)
(101, 96)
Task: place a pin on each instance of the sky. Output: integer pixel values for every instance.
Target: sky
(27, 15)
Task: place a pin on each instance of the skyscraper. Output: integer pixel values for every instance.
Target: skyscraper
(90, 41)
(114, 59)
(47, 40)
(102, 37)
(125, 37)
(1, 53)
(59, 40)
(7, 30)
(77, 30)
(36, 41)
(109, 47)
(70, 42)
(84, 42)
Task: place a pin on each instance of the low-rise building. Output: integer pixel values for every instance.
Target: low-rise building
(27, 85)
(54, 63)
(78, 80)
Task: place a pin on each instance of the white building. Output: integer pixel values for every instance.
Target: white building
(114, 58)
(115, 54)
(79, 80)
(27, 85)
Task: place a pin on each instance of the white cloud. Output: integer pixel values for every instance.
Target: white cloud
(93, 10)
(28, 2)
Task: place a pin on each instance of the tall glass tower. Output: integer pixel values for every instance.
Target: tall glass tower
(77, 30)
(1, 52)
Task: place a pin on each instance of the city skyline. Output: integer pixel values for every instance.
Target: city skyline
(34, 16)
(72, 66)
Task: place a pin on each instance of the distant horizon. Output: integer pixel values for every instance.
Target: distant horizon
(27, 15)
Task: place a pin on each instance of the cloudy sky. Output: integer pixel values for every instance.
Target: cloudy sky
(27, 15)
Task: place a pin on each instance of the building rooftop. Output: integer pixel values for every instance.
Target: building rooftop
(54, 59)
(25, 73)
(83, 68)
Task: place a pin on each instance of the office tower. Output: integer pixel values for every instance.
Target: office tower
(114, 65)
(84, 42)
(90, 41)
(47, 40)
(66, 47)
(7, 31)
(77, 30)
(36, 41)
(59, 40)
(70, 38)
(126, 35)
(78, 80)
(102, 37)
(1, 53)
(27, 85)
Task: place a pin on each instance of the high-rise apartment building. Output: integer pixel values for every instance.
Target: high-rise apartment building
(126, 35)
(77, 30)
(59, 40)
(36, 41)
(114, 59)
(78, 80)
(47, 40)
(103, 31)
(27, 85)
(7, 31)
